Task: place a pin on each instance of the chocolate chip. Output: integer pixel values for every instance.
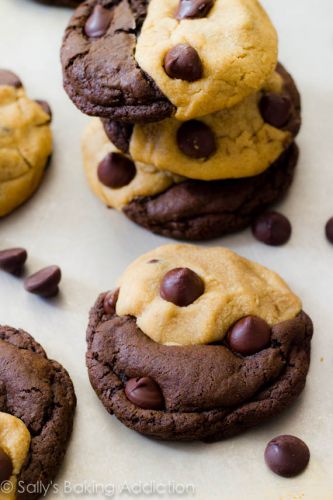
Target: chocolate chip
(45, 107)
(12, 260)
(98, 22)
(183, 62)
(45, 282)
(116, 171)
(275, 109)
(196, 139)
(6, 466)
(329, 230)
(110, 301)
(249, 335)
(193, 9)
(9, 79)
(272, 228)
(181, 286)
(145, 393)
(287, 455)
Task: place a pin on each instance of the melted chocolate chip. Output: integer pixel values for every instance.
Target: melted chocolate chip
(183, 62)
(181, 286)
(196, 140)
(12, 260)
(45, 107)
(193, 9)
(116, 171)
(287, 455)
(45, 282)
(98, 22)
(272, 228)
(9, 79)
(110, 301)
(329, 230)
(249, 335)
(145, 393)
(275, 109)
(6, 466)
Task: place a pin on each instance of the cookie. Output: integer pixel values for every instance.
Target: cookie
(179, 307)
(25, 142)
(143, 61)
(239, 142)
(37, 404)
(177, 207)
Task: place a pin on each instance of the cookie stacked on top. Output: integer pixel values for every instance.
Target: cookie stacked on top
(196, 118)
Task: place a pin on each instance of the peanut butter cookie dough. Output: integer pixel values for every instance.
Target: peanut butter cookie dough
(239, 142)
(140, 60)
(250, 338)
(25, 142)
(37, 404)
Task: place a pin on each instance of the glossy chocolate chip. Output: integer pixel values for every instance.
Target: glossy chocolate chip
(12, 260)
(145, 393)
(275, 109)
(196, 139)
(183, 62)
(249, 335)
(45, 107)
(6, 466)
(98, 22)
(181, 286)
(287, 456)
(110, 301)
(329, 230)
(272, 228)
(45, 282)
(193, 9)
(116, 171)
(9, 79)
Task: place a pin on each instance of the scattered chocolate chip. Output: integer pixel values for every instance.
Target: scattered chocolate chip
(193, 9)
(98, 22)
(275, 109)
(272, 228)
(12, 260)
(110, 301)
(6, 466)
(145, 393)
(153, 261)
(181, 286)
(249, 335)
(45, 282)
(116, 170)
(287, 455)
(196, 139)
(183, 62)
(45, 107)
(329, 230)
(10, 79)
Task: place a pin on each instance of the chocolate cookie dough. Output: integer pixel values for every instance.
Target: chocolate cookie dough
(39, 394)
(143, 363)
(145, 61)
(242, 141)
(25, 143)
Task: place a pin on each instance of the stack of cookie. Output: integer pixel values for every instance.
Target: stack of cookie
(196, 118)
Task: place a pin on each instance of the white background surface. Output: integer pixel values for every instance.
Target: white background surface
(65, 224)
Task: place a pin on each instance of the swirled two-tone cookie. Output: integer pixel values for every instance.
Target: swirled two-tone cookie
(37, 404)
(25, 142)
(175, 206)
(197, 343)
(140, 60)
(242, 141)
